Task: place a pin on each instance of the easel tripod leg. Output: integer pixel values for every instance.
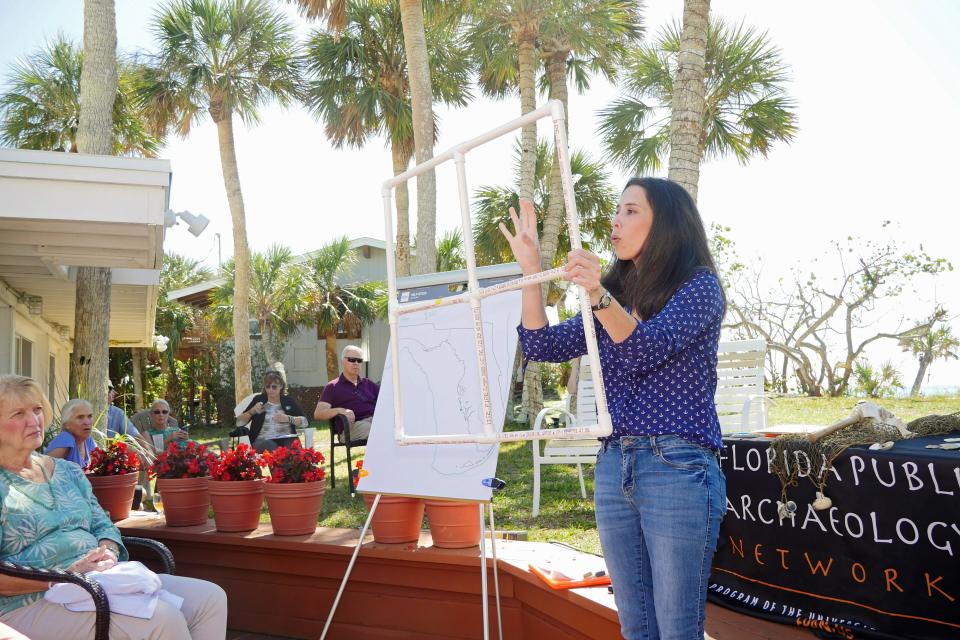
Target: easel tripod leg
(353, 560)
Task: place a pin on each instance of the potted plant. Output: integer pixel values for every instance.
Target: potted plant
(113, 471)
(236, 488)
(397, 518)
(294, 489)
(182, 477)
(454, 524)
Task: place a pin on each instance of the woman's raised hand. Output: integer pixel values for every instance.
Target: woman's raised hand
(524, 242)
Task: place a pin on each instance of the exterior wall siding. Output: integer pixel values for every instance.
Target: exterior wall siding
(305, 355)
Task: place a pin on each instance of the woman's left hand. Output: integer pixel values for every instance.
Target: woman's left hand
(583, 269)
(99, 559)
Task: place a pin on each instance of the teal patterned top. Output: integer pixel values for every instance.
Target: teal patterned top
(50, 525)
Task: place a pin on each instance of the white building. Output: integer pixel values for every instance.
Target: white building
(60, 211)
(305, 354)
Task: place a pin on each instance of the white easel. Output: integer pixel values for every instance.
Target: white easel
(473, 296)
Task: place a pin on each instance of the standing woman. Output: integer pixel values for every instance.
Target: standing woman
(74, 442)
(659, 491)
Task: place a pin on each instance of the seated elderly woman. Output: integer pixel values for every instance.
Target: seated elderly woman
(51, 520)
(271, 418)
(159, 426)
(74, 442)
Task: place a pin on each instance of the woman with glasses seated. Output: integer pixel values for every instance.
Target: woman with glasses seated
(74, 442)
(272, 417)
(160, 425)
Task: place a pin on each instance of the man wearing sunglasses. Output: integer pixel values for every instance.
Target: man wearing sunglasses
(351, 396)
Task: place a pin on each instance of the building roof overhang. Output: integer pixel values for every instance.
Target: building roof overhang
(61, 211)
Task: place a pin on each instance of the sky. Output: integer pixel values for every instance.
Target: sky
(877, 88)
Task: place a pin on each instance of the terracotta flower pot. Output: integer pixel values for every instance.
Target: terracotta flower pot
(185, 500)
(397, 519)
(114, 493)
(294, 507)
(453, 524)
(236, 504)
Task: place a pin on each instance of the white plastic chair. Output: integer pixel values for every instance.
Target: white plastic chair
(741, 403)
(580, 451)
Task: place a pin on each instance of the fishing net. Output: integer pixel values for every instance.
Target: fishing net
(935, 425)
(795, 456)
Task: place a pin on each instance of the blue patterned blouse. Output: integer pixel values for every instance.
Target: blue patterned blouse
(50, 525)
(662, 378)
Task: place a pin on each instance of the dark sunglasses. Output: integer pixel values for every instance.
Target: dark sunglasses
(354, 360)
(160, 411)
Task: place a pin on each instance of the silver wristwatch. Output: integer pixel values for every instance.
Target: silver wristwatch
(604, 301)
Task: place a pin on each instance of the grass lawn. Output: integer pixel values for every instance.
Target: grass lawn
(564, 515)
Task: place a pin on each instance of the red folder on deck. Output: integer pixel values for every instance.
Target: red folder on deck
(557, 580)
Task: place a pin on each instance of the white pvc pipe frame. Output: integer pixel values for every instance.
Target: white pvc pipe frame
(474, 294)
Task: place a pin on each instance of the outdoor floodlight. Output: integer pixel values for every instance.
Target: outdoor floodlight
(195, 223)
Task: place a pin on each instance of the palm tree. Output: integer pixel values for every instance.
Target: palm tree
(938, 344)
(276, 288)
(332, 302)
(594, 198)
(223, 58)
(421, 93)
(450, 251)
(98, 92)
(593, 194)
(747, 109)
(503, 40)
(575, 37)
(421, 98)
(590, 37)
(41, 107)
(174, 319)
(360, 87)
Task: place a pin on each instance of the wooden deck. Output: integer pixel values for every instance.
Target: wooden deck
(283, 587)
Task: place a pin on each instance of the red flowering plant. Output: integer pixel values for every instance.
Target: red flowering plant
(294, 465)
(176, 461)
(113, 459)
(242, 463)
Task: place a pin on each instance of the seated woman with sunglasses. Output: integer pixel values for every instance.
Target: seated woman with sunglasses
(272, 417)
(161, 424)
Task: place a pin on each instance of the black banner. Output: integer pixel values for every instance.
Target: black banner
(882, 562)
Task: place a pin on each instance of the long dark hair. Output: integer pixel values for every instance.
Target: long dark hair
(675, 249)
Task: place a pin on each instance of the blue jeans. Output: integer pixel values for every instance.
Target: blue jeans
(659, 502)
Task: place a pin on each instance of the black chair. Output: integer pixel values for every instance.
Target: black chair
(100, 603)
(342, 424)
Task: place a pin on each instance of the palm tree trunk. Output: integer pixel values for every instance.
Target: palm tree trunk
(330, 348)
(556, 63)
(528, 102)
(241, 252)
(266, 341)
(925, 361)
(91, 343)
(401, 159)
(137, 356)
(98, 91)
(98, 80)
(421, 97)
(688, 106)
